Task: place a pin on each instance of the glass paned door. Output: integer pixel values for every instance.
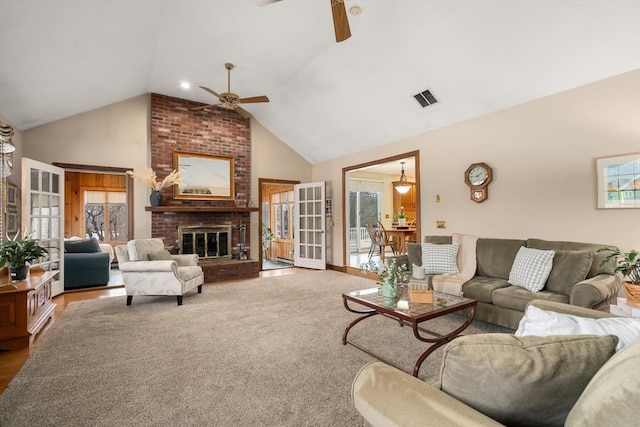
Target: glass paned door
(43, 213)
(309, 214)
(364, 206)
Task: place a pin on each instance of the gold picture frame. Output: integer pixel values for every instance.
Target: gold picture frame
(206, 177)
(12, 194)
(618, 181)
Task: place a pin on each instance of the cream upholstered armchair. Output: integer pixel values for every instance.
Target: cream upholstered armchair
(149, 269)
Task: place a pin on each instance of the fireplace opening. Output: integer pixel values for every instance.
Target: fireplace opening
(206, 242)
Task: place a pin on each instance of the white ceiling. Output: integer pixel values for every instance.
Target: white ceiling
(60, 58)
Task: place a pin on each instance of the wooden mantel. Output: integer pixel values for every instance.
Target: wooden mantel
(196, 208)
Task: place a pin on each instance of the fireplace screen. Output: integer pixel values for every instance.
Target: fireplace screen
(207, 242)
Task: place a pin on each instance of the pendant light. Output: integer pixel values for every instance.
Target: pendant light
(403, 186)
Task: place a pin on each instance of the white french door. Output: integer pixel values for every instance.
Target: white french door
(43, 214)
(309, 220)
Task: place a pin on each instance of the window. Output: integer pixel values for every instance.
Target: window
(106, 216)
(282, 211)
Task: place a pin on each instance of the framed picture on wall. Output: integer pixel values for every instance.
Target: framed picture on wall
(205, 177)
(12, 195)
(618, 181)
(13, 222)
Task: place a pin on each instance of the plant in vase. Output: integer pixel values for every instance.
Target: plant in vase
(629, 266)
(19, 252)
(149, 178)
(402, 217)
(389, 276)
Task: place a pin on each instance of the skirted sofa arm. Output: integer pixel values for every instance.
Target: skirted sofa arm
(596, 291)
(386, 396)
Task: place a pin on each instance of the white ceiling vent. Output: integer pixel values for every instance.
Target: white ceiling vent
(425, 98)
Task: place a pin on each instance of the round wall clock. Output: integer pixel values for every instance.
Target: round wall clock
(477, 177)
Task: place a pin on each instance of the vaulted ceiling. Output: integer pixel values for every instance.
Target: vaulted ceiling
(59, 58)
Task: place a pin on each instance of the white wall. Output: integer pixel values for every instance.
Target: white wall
(542, 154)
(271, 159)
(116, 135)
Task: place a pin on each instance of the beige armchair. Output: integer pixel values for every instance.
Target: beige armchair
(148, 269)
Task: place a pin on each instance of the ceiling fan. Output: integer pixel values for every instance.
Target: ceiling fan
(229, 99)
(340, 21)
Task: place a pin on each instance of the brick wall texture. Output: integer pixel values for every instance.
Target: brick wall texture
(214, 131)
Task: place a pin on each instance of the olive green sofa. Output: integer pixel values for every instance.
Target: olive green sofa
(577, 278)
(562, 380)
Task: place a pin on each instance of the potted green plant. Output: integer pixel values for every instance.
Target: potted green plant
(629, 266)
(402, 217)
(267, 236)
(19, 252)
(388, 276)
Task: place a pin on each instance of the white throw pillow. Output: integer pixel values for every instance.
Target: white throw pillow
(544, 323)
(531, 268)
(440, 259)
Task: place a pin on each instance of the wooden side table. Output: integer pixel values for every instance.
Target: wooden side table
(25, 307)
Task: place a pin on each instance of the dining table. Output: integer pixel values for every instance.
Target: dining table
(401, 235)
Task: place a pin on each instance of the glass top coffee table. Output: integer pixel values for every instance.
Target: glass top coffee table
(416, 314)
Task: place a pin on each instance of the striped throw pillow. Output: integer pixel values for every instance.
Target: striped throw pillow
(440, 259)
(531, 268)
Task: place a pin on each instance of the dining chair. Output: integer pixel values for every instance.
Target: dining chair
(379, 239)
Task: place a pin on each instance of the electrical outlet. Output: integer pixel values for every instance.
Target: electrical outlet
(438, 199)
(441, 224)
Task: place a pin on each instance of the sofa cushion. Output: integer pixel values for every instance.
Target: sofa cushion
(480, 288)
(576, 246)
(531, 268)
(440, 259)
(414, 254)
(495, 256)
(139, 249)
(84, 246)
(611, 397)
(545, 323)
(523, 381)
(160, 255)
(517, 298)
(569, 268)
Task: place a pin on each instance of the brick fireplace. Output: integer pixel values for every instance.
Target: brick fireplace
(217, 132)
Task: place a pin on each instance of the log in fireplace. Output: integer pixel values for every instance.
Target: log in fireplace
(208, 242)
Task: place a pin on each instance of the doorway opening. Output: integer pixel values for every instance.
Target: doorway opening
(99, 203)
(370, 194)
(277, 237)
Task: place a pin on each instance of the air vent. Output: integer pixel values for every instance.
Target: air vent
(425, 98)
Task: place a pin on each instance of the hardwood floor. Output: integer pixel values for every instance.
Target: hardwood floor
(12, 361)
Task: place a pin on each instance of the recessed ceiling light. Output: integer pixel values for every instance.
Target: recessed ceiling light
(185, 85)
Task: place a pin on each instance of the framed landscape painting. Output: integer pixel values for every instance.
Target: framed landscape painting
(618, 181)
(205, 177)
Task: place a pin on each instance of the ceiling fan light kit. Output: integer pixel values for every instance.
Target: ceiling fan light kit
(230, 100)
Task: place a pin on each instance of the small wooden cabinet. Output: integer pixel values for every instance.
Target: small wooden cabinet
(25, 307)
(408, 200)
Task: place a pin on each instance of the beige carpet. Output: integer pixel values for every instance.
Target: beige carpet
(261, 352)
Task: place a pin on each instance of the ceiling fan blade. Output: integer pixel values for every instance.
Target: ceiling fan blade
(340, 21)
(202, 107)
(265, 2)
(253, 99)
(210, 91)
(243, 113)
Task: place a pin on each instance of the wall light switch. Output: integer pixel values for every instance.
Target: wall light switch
(438, 199)
(441, 224)
(386, 216)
